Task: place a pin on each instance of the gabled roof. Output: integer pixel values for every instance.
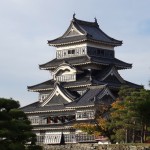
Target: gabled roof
(91, 97)
(110, 72)
(82, 60)
(59, 96)
(80, 31)
(54, 102)
(63, 67)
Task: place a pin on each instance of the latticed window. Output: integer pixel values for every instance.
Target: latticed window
(66, 78)
(85, 115)
(71, 52)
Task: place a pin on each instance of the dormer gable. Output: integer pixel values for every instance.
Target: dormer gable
(57, 97)
(72, 31)
(112, 75)
(64, 73)
(104, 93)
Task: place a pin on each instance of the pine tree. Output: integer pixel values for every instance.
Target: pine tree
(15, 128)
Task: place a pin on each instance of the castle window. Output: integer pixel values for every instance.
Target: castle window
(102, 52)
(83, 115)
(71, 51)
(66, 78)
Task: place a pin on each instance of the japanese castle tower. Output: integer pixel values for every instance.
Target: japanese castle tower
(85, 74)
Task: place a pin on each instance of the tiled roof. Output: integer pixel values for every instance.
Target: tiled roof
(88, 98)
(74, 61)
(107, 61)
(90, 32)
(49, 85)
(133, 85)
(35, 108)
(71, 60)
(30, 107)
(85, 81)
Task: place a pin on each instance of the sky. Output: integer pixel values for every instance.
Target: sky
(26, 25)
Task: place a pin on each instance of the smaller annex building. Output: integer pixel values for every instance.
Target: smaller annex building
(85, 74)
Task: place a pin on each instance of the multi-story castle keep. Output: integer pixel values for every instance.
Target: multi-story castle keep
(85, 73)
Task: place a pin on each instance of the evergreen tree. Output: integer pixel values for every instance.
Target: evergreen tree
(130, 115)
(15, 128)
(128, 119)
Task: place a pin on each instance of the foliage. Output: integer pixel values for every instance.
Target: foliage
(86, 127)
(130, 115)
(15, 128)
(98, 127)
(128, 119)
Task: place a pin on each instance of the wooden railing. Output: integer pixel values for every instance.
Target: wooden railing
(67, 138)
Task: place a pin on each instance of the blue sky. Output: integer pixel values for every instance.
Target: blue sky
(26, 25)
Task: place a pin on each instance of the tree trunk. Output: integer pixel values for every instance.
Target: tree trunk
(133, 134)
(142, 134)
(126, 136)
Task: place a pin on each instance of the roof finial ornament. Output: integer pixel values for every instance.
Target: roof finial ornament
(74, 15)
(95, 20)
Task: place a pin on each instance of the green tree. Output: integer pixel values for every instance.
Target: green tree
(143, 112)
(130, 115)
(127, 120)
(122, 116)
(15, 128)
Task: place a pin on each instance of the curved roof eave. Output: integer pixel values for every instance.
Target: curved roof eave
(84, 40)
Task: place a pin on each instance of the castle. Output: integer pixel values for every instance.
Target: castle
(85, 74)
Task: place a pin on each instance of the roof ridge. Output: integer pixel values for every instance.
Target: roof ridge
(83, 22)
(28, 87)
(67, 92)
(29, 105)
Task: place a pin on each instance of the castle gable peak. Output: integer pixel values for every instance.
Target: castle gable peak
(57, 97)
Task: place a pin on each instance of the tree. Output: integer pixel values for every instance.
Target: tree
(130, 115)
(143, 111)
(122, 116)
(98, 126)
(127, 120)
(15, 128)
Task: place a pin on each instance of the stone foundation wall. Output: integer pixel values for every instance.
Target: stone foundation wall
(97, 147)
